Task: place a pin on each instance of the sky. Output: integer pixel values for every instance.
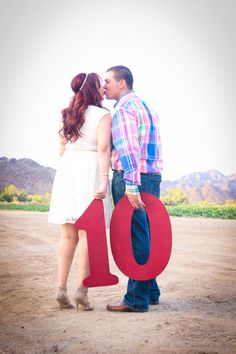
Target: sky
(182, 55)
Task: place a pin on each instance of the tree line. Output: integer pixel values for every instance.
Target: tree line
(170, 197)
(11, 194)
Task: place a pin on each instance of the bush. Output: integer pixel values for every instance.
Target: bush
(174, 196)
(231, 203)
(9, 193)
(39, 199)
(22, 197)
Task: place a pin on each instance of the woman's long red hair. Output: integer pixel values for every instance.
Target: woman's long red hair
(73, 116)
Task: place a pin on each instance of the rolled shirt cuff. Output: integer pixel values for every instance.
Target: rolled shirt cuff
(131, 189)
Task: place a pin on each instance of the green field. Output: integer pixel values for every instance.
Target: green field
(187, 210)
(24, 206)
(206, 211)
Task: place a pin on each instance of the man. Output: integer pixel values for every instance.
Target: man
(137, 166)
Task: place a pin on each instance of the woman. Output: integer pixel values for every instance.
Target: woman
(82, 176)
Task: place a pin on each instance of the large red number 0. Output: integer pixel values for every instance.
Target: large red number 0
(161, 240)
(93, 222)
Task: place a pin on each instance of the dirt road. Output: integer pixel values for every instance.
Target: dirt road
(196, 314)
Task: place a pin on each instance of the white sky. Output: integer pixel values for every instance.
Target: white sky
(182, 54)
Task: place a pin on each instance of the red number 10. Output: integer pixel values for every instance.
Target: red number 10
(92, 221)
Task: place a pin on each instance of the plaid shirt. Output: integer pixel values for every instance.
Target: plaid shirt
(136, 139)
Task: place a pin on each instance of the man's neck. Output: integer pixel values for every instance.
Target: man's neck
(123, 93)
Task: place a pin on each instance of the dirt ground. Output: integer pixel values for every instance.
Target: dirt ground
(196, 313)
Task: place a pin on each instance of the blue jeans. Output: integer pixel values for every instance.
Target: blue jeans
(139, 293)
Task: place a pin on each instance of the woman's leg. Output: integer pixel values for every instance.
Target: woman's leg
(83, 258)
(67, 246)
(81, 296)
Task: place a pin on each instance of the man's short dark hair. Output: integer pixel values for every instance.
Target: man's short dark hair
(122, 72)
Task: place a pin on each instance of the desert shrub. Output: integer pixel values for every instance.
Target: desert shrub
(39, 199)
(22, 197)
(174, 196)
(231, 203)
(9, 193)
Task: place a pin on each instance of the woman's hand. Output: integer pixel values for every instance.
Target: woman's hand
(101, 192)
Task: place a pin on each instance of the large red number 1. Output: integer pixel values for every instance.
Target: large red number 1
(93, 222)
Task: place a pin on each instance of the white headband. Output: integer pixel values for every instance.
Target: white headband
(84, 82)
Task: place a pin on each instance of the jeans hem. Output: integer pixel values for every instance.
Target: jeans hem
(134, 309)
(154, 301)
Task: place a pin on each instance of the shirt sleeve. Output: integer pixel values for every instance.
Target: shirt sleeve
(125, 140)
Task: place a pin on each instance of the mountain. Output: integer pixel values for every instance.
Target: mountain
(26, 174)
(211, 186)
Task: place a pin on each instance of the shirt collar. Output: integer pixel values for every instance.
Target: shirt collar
(122, 97)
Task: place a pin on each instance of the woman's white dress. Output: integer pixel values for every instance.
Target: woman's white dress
(77, 177)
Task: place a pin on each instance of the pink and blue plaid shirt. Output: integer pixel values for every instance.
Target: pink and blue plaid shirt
(136, 140)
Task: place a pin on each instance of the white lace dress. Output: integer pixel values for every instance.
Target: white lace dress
(77, 177)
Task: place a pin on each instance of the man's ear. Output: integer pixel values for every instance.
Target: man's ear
(122, 83)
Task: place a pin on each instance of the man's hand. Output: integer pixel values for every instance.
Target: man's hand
(135, 200)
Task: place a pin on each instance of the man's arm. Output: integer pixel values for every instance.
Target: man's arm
(125, 140)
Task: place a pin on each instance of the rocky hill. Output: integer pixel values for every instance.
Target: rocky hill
(26, 174)
(211, 186)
